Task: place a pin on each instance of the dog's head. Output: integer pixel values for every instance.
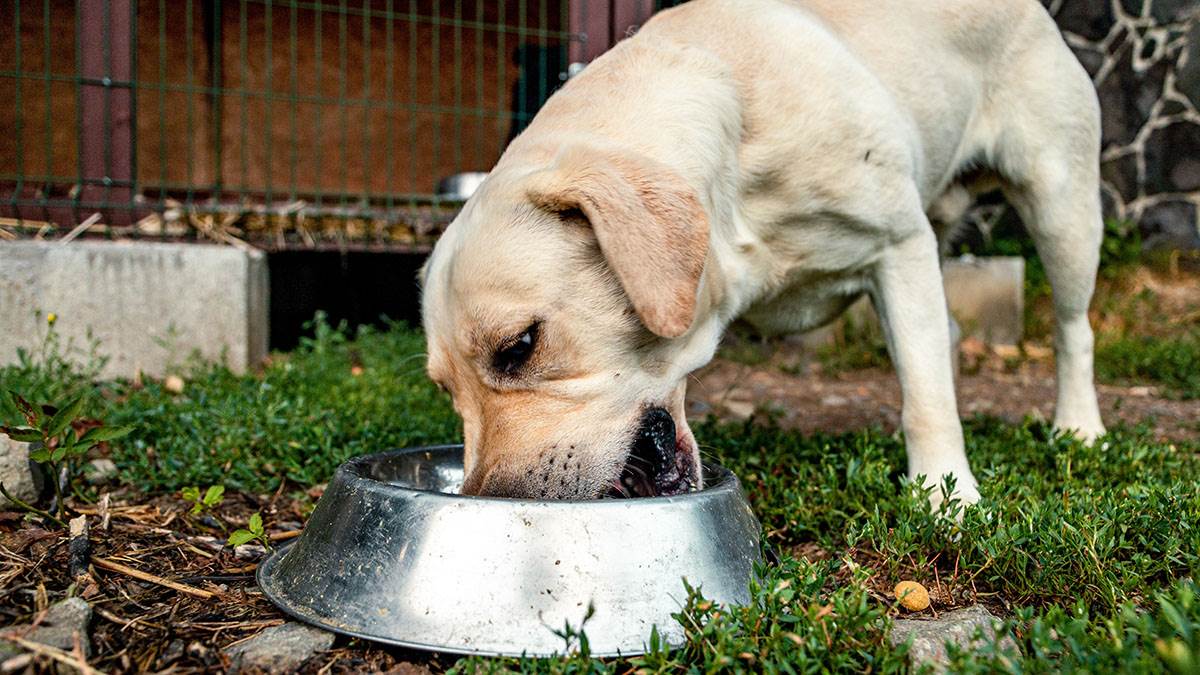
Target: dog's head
(563, 310)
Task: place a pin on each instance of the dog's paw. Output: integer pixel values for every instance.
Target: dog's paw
(1087, 431)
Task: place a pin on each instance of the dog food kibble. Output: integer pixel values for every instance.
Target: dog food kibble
(912, 596)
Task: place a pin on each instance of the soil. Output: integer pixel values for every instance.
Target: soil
(993, 381)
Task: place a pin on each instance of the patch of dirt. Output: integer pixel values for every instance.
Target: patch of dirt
(1000, 382)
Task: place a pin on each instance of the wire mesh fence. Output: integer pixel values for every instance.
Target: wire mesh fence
(303, 122)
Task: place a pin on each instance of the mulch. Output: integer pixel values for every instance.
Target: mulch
(195, 596)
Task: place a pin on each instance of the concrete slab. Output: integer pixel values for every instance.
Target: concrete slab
(986, 296)
(150, 305)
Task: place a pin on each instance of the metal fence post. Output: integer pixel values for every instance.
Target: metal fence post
(106, 109)
(601, 24)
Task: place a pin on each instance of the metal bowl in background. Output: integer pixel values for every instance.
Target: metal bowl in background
(393, 554)
(460, 186)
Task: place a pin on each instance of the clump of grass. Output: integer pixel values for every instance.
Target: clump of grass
(337, 396)
(1172, 361)
(858, 345)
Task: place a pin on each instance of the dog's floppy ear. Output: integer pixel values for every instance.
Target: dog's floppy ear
(648, 221)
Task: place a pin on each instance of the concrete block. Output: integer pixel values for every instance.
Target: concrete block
(20, 476)
(151, 305)
(986, 296)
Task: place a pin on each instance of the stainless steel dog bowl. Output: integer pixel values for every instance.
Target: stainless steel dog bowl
(392, 553)
(460, 186)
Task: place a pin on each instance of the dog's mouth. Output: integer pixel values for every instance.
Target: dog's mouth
(659, 462)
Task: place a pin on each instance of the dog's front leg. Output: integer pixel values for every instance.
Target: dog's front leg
(911, 303)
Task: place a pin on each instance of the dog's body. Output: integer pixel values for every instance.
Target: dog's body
(766, 159)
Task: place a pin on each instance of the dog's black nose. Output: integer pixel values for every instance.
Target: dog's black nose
(655, 441)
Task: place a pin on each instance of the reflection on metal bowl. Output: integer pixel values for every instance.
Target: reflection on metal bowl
(392, 553)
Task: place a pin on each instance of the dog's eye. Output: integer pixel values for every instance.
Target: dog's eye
(508, 359)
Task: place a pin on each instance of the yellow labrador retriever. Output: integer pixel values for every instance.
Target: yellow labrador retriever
(758, 158)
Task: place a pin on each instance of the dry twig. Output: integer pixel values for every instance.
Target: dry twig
(114, 566)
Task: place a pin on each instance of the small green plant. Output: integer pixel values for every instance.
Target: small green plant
(254, 531)
(55, 444)
(203, 502)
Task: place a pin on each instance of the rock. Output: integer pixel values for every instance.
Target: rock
(1127, 98)
(739, 409)
(1168, 11)
(62, 622)
(1122, 174)
(1171, 224)
(21, 477)
(1089, 20)
(1171, 158)
(173, 384)
(100, 471)
(929, 637)
(279, 649)
(1188, 73)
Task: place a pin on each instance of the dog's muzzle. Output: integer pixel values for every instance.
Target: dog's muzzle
(658, 462)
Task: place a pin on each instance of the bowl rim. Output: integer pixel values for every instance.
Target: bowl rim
(356, 469)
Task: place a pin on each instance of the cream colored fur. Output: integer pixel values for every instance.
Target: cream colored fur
(765, 159)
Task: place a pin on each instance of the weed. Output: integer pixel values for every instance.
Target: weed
(253, 531)
(55, 444)
(210, 499)
(859, 345)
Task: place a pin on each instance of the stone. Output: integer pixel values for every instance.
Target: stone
(1132, 7)
(1127, 98)
(62, 622)
(1091, 59)
(985, 295)
(278, 649)
(100, 471)
(1173, 158)
(174, 384)
(21, 477)
(1170, 11)
(1171, 224)
(739, 409)
(1122, 174)
(1089, 20)
(929, 636)
(1187, 79)
(150, 305)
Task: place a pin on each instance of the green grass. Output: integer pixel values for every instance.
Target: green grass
(1090, 553)
(1171, 362)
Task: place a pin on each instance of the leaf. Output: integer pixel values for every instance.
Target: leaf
(63, 418)
(23, 434)
(239, 537)
(214, 495)
(256, 524)
(191, 493)
(59, 452)
(41, 455)
(32, 415)
(103, 434)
